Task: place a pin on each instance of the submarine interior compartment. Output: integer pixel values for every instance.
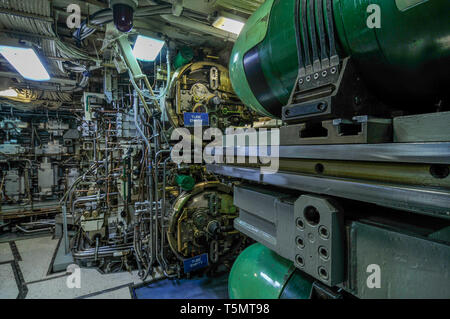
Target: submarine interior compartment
(275, 149)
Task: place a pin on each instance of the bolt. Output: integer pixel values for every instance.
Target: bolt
(322, 106)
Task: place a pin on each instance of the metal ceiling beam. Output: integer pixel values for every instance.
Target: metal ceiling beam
(52, 80)
(26, 15)
(188, 23)
(82, 4)
(27, 34)
(244, 6)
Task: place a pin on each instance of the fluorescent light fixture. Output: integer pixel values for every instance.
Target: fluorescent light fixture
(9, 93)
(26, 62)
(147, 49)
(229, 25)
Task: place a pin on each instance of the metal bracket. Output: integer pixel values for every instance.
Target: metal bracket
(319, 239)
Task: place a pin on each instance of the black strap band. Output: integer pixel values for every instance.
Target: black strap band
(258, 83)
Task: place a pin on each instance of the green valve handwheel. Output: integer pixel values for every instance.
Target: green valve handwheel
(259, 273)
(405, 61)
(186, 182)
(184, 56)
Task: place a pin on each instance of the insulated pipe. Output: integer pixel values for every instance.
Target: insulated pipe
(161, 221)
(135, 71)
(101, 253)
(34, 230)
(150, 180)
(164, 208)
(163, 93)
(156, 179)
(65, 228)
(141, 133)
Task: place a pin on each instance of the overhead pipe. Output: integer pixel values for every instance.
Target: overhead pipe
(150, 181)
(160, 215)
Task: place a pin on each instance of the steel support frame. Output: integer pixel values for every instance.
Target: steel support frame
(380, 261)
(425, 201)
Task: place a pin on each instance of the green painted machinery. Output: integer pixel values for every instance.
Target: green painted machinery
(186, 182)
(259, 273)
(201, 222)
(294, 52)
(184, 56)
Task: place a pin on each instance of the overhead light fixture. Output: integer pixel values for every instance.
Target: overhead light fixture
(9, 93)
(26, 62)
(228, 24)
(147, 49)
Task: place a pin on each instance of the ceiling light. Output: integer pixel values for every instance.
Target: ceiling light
(229, 25)
(9, 93)
(26, 62)
(147, 49)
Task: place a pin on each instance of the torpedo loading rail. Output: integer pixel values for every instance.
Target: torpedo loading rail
(372, 173)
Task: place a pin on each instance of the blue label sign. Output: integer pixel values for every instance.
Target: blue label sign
(194, 263)
(190, 118)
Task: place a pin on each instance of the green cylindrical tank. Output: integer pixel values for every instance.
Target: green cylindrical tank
(405, 61)
(259, 273)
